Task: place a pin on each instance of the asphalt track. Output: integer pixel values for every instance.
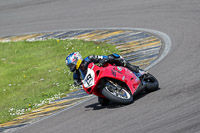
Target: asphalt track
(173, 108)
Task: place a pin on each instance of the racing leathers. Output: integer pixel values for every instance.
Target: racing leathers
(112, 59)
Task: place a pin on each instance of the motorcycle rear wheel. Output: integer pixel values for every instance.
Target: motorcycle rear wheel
(117, 93)
(151, 83)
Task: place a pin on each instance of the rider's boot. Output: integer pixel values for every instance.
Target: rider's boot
(132, 67)
(139, 72)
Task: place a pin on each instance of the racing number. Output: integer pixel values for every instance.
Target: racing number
(89, 79)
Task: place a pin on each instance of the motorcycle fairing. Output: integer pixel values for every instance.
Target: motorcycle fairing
(122, 74)
(95, 73)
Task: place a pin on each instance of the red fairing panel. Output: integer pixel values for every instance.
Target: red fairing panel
(115, 72)
(121, 74)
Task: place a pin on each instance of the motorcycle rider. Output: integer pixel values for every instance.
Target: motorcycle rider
(78, 66)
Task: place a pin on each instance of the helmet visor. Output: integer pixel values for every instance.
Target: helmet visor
(72, 67)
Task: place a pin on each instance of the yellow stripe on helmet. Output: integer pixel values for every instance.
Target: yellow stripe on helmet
(78, 64)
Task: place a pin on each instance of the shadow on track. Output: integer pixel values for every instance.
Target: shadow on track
(97, 106)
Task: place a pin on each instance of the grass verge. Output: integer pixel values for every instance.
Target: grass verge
(34, 73)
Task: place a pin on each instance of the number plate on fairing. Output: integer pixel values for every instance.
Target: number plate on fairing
(89, 79)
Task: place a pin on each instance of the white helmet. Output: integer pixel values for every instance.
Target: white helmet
(72, 59)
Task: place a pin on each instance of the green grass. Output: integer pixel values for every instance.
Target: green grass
(32, 73)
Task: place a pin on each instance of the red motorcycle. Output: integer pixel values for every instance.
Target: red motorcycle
(116, 83)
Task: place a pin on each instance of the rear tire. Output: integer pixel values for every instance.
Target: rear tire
(151, 83)
(119, 94)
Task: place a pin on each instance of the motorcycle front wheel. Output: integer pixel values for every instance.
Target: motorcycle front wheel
(116, 93)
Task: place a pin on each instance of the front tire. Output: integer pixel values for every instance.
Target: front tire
(117, 93)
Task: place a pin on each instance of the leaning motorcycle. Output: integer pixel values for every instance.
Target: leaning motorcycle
(116, 83)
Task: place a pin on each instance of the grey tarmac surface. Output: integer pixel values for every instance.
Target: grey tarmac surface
(173, 108)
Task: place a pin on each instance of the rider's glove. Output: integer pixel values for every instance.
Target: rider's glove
(102, 62)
